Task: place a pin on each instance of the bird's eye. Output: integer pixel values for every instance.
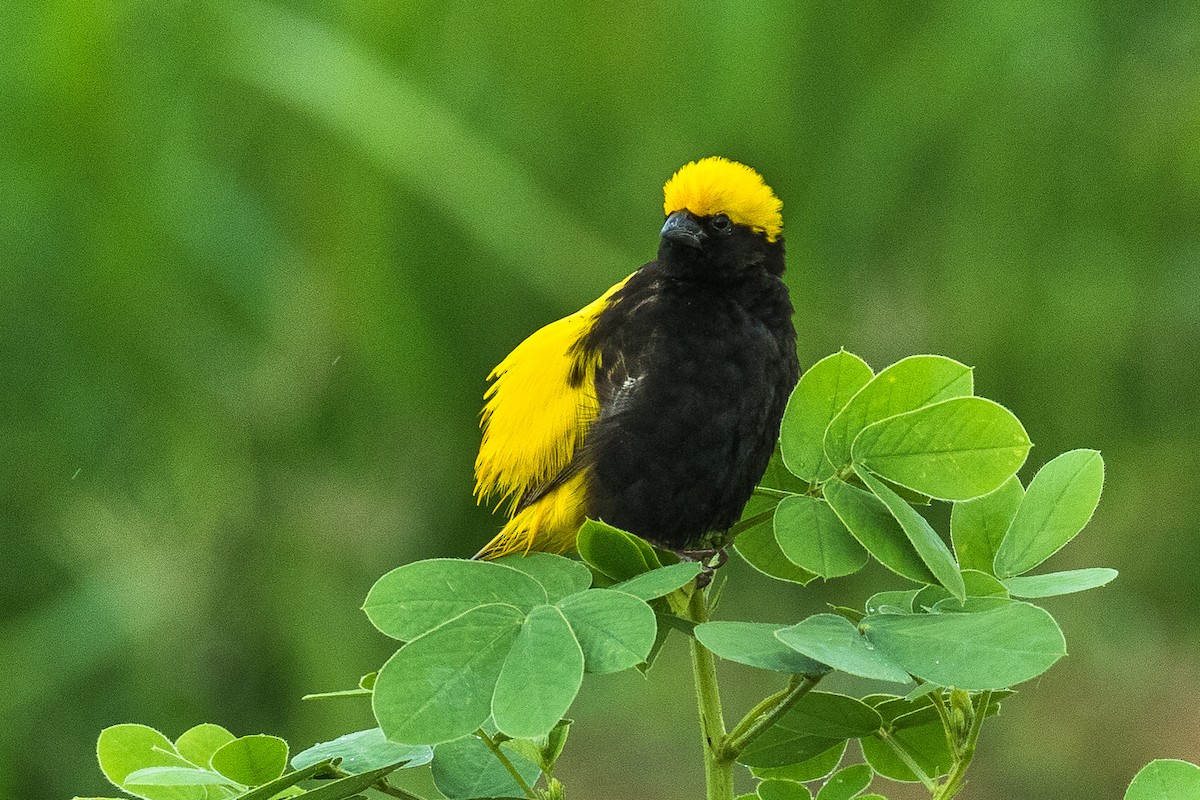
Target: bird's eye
(721, 224)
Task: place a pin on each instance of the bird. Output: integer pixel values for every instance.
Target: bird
(656, 407)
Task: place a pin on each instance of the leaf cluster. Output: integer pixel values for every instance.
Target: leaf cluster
(491, 655)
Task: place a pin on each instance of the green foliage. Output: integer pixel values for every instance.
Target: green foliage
(541, 675)
(251, 760)
(1058, 503)
(846, 784)
(909, 384)
(954, 450)
(1056, 583)
(812, 537)
(978, 526)
(777, 789)
(363, 751)
(836, 641)
(823, 391)
(877, 530)
(465, 768)
(493, 654)
(813, 725)
(992, 648)
(819, 766)
(416, 598)
(209, 763)
(754, 643)
(518, 665)
(1165, 779)
(929, 546)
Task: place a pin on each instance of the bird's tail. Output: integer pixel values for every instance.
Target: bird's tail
(547, 525)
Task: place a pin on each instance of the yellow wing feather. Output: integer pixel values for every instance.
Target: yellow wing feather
(534, 421)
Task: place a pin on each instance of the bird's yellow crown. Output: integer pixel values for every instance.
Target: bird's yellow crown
(716, 185)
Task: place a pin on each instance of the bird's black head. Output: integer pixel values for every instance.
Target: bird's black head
(723, 221)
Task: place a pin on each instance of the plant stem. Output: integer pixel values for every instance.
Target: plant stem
(962, 756)
(718, 771)
(766, 714)
(767, 491)
(750, 522)
(508, 765)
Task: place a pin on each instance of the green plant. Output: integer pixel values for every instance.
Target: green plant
(494, 653)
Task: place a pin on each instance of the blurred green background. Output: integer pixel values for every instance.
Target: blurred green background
(256, 259)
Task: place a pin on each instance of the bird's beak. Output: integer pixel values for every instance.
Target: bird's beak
(683, 228)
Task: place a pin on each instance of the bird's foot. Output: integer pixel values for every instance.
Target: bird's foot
(710, 560)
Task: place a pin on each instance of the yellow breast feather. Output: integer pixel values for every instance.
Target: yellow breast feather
(534, 420)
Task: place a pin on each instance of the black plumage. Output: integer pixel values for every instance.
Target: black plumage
(697, 359)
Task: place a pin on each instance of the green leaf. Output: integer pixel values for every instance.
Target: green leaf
(252, 760)
(759, 548)
(847, 783)
(868, 519)
(286, 782)
(990, 649)
(416, 598)
(364, 751)
(983, 584)
(337, 790)
(952, 605)
(929, 546)
(615, 630)
(613, 552)
(558, 575)
(833, 640)
(1165, 779)
(439, 686)
(812, 537)
(660, 582)
(541, 676)
(817, 722)
(810, 769)
(978, 526)
(926, 744)
(892, 602)
(901, 712)
(197, 744)
(904, 386)
(928, 597)
(1055, 583)
(126, 748)
(777, 475)
(665, 625)
(823, 391)
(466, 768)
(754, 644)
(551, 745)
(780, 789)
(1059, 502)
(176, 776)
(953, 450)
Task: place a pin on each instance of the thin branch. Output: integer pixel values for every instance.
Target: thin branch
(767, 491)
(737, 741)
(718, 774)
(750, 522)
